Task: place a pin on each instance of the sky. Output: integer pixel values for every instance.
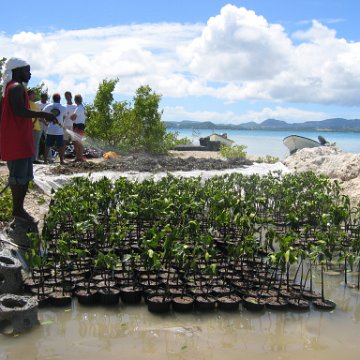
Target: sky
(210, 60)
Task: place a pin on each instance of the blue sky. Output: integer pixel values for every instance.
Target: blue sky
(211, 60)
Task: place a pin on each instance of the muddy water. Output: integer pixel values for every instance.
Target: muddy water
(128, 332)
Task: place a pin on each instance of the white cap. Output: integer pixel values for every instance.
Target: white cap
(11, 64)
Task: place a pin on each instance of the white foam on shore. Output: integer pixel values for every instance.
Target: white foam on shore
(52, 182)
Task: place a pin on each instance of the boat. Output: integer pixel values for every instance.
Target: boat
(296, 142)
(214, 141)
(208, 143)
(223, 139)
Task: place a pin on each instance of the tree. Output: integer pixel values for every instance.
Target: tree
(146, 108)
(39, 89)
(120, 125)
(100, 119)
(2, 62)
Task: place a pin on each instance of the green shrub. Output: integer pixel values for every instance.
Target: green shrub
(233, 152)
(5, 202)
(267, 159)
(172, 140)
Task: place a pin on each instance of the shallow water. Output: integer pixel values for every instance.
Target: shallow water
(262, 143)
(131, 332)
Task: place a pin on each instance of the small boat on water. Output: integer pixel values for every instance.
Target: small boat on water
(296, 142)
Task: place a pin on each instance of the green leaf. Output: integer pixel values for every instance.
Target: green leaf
(287, 256)
(47, 322)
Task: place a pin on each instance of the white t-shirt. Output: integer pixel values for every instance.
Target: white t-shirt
(70, 109)
(54, 129)
(41, 105)
(80, 114)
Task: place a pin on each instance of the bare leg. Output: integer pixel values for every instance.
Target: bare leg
(75, 149)
(18, 192)
(46, 154)
(79, 151)
(61, 155)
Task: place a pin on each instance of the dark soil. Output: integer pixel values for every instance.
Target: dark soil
(149, 163)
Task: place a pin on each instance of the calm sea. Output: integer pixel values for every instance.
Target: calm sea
(264, 143)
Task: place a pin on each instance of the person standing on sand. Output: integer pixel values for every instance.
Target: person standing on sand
(55, 132)
(79, 127)
(16, 132)
(68, 123)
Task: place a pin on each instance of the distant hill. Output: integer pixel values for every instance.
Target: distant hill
(337, 124)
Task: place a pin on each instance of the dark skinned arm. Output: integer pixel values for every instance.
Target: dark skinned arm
(16, 94)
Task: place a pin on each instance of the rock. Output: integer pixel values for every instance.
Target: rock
(19, 312)
(10, 273)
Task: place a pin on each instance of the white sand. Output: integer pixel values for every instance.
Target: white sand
(196, 154)
(330, 161)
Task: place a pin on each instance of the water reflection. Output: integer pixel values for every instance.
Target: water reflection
(129, 332)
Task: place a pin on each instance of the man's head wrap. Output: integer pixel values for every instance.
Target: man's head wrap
(10, 65)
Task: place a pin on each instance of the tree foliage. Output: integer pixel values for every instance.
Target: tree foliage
(5, 202)
(39, 89)
(146, 108)
(2, 62)
(101, 123)
(128, 126)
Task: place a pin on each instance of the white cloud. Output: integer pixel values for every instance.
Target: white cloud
(253, 59)
(238, 45)
(136, 54)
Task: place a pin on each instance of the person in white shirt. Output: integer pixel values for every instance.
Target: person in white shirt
(79, 127)
(55, 133)
(43, 101)
(68, 123)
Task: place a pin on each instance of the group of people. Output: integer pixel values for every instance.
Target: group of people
(21, 126)
(69, 127)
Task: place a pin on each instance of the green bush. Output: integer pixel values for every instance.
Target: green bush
(5, 202)
(233, 152)
(267, 159)
(171, 140)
